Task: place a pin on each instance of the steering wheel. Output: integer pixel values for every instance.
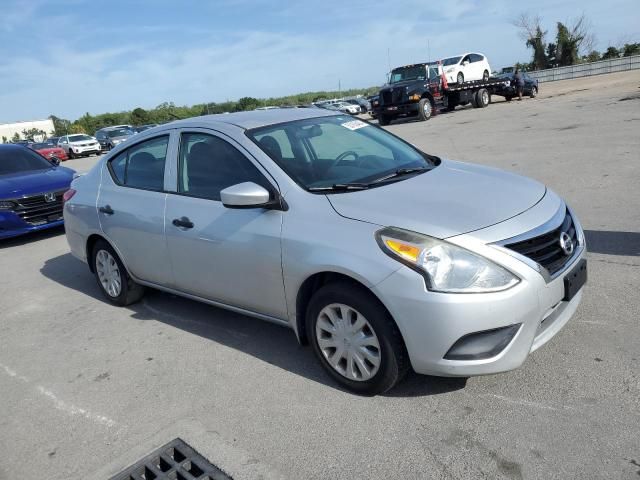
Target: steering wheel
(344, 155)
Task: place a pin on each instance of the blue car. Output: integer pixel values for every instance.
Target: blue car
(31, 191)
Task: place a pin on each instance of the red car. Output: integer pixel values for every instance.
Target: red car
(49, 150)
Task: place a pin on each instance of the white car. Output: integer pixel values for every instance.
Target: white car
(345, 107)
(466, 68)
(79, 145)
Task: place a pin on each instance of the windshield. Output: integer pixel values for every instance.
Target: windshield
(325, 151)
(121, 132)
(79, 138)
(17, 160)
(451, 61)
(416, 72)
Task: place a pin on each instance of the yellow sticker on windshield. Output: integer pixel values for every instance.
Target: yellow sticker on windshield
(354, 124)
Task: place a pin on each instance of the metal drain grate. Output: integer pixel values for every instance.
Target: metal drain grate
(174, 461)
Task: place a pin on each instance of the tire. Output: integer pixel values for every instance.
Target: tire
(482, 98)
(460, 77)
(129, 291)
(508, 98)
(71, 155)
(534, 92)
(425, 109)
(474, 100)
(485, 75)
(380, 329)
(384, 120)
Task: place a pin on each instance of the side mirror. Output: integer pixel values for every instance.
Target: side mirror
(55, 161)
(247, 195)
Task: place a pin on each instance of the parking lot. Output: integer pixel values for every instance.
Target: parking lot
(87, 388)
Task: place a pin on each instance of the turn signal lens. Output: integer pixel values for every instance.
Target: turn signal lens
(405, 250)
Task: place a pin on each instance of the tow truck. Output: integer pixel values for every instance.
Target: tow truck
(422, 90)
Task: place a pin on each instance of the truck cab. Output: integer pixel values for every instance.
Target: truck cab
(412, 90)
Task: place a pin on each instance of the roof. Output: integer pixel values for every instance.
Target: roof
(258, 118)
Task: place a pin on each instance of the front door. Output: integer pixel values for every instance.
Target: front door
(232, 256)
(131, 209)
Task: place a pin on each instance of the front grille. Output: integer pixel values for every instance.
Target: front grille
(35, 210)
(398, 95)
(545, 249)
(386, 97)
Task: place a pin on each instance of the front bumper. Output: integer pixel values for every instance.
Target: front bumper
(431, 323)
(86, 150)
(11, 225)
(407, 109)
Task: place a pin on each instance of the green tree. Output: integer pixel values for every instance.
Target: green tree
(593, 56)
(630, 49)
(4, 139)
(139, 116)
(530, 30)
(31, 133)
(60, 125)
(551, 56)
(247, 103)
(16, 137)
(611, 52)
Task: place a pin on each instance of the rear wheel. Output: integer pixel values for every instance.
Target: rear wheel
(425, 109)
(482, 98)
(112, 277)
(485, 75)
(534, 92)
(460, 77)
(355, 339)
(508, 98)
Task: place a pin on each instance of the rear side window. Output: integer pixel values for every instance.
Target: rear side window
(141, 166)
(476, 58)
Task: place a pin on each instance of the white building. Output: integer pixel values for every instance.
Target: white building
(8, 130)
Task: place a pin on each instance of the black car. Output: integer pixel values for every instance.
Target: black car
(510, 91)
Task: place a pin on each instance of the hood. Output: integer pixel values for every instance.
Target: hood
(120, 138)
(452, 199)
(82, 142)
(48, 150)
(404, 83)
(24, 184)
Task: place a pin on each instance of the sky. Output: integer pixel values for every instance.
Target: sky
(68, 57)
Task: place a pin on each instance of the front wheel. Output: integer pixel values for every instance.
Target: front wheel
(534, 92)
(425, 109)
(355, 339)
(384, 119)
(71, 155)
(460, 77)
(112, 277)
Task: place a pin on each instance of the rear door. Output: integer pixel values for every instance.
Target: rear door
(231, 256)
(131, 208)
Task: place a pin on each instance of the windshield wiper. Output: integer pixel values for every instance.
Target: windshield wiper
(400, 172)
(340, 187)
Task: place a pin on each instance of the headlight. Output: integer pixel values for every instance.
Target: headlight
(5, 205)
(450, 69)
(445, 267)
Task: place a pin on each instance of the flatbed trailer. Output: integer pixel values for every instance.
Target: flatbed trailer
(430, 92)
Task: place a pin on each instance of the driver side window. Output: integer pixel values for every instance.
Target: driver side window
(209, 164)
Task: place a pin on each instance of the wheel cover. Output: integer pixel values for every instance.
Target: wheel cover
(485, 97)
(427, 109)
(348, 342)
(108, 273)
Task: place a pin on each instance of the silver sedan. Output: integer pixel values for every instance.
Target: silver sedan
(382, 257)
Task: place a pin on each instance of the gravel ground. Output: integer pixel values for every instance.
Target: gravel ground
(87, 388)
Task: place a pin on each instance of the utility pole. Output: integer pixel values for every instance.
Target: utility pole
(388, 60)
(339, 89)
(428, 51)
